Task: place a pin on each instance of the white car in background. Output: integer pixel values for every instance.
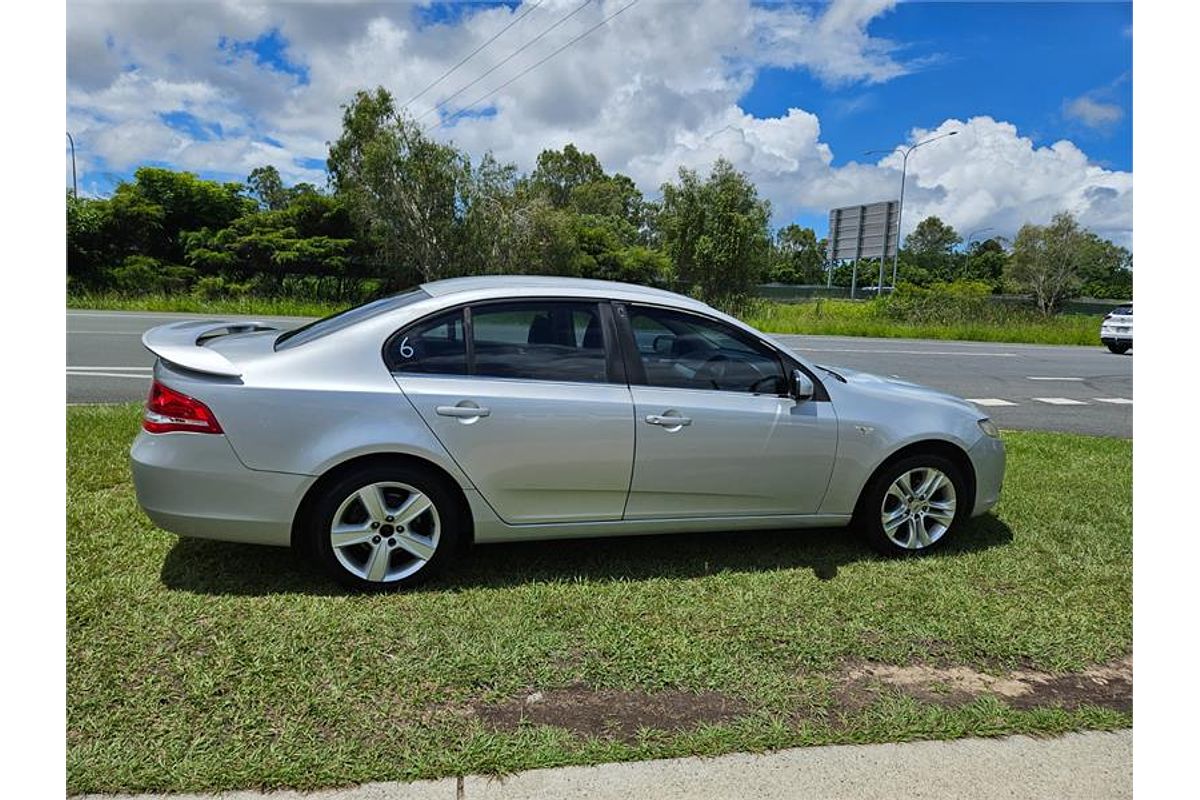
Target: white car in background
(1116, 331)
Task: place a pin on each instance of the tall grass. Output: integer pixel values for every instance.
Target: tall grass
(936, 317)
(909, 314)
(193, 304)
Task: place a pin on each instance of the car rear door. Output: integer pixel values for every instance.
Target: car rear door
(529, 397)
(718, 433)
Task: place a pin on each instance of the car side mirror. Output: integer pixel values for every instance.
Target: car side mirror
(802, 386)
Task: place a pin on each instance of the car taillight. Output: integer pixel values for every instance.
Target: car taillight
(168, 410)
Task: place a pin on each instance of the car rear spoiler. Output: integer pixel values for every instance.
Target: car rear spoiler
(183, 343)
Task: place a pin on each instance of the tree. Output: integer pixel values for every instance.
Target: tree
(1046, 261)
(149, 215)
(1106, 269)
(985, 261)
(406, 192)
(312, 235)
(143, 224)
(559, 172)
(931, 247)
(267, 187)
(715, 231)
(798, 256)
(89, 247)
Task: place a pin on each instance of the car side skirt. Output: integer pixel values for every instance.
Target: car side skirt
(489, 528)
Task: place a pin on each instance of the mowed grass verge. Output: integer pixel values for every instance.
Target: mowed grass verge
(202, 666)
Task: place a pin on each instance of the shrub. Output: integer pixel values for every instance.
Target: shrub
(210, 287)
(146, 275)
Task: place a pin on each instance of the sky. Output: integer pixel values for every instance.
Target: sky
(794, 94)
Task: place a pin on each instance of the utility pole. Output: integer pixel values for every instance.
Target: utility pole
(74, 182)
(903, 176)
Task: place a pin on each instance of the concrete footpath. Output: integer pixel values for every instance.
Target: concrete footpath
(1093, 765)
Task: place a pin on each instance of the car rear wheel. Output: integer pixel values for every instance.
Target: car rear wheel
(1119, 349)
(913, 505)
(384, 527)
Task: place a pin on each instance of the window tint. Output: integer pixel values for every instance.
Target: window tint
(344, 319)
(539, 340)
(436, 345)
(685, 351)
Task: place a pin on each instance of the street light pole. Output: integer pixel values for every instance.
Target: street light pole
(74, 182)
(903, 176)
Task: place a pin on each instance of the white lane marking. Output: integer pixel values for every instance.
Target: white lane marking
(990, 401)
(1050, 378)
(1060, 401)
(1117, 401)
(106, 333)
(113, 367)
(141, 376)
(902, 352)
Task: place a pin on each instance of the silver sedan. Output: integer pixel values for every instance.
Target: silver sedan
(385, 438)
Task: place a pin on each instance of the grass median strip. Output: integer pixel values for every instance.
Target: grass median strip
(197, 665)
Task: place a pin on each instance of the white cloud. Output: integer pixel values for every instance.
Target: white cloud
(1093, 113)
(655, 89)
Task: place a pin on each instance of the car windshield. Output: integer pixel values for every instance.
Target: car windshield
(1123, 310)
(344, 319)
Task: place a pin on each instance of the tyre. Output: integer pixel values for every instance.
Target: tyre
(913, 505)
(1119, 349)
(385, 527)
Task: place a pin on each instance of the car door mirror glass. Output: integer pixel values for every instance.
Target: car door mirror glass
(802, 386)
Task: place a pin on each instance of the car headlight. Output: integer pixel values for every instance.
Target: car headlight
(989, 428)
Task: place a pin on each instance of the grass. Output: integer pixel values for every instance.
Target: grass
(197, 665)
(818, 317)
(191, 304)
(864, 318)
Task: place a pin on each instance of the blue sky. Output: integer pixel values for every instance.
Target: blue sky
(1018, 61)
(792, 93)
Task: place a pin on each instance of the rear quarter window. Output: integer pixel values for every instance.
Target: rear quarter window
(344, 319)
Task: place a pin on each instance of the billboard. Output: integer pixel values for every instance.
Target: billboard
(868, 231)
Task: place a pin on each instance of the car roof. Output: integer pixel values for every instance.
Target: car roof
(526, 285)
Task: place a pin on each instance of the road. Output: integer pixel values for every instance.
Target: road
(1029, 387)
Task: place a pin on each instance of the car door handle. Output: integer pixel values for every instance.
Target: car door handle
(668, 421)
(463, 412)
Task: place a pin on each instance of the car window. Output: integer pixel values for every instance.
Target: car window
(344, 319)
(539, 340)
(685, 351)
(437, 345)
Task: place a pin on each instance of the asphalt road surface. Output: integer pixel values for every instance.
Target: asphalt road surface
(1021, 386)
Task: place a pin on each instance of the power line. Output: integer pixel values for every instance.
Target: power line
(534, 66)
(507, 58)
(474, 53)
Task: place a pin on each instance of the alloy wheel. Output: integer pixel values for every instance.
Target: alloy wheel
(918, 508)
(385, 531)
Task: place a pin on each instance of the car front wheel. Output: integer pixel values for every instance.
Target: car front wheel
(1119, 349)
(384, 527)
(912, 505)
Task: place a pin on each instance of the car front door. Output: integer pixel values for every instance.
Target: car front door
(529, 398)
(718, 432)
